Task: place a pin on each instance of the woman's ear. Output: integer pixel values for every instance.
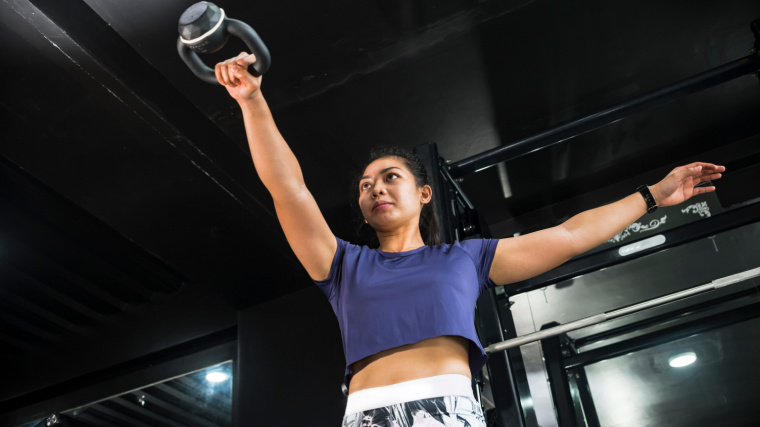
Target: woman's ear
(426, 194)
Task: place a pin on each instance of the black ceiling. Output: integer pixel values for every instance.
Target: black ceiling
(115, 156)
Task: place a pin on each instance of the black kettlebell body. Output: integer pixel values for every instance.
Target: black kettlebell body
(204, 28)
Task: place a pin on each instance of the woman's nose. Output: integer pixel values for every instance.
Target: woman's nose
(378, 189)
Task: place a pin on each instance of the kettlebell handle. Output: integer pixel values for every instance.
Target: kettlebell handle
(234, 28)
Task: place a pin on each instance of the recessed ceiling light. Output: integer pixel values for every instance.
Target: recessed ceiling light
(216, 377)
(683, 359)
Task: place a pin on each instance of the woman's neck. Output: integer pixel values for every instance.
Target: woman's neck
(400, 240)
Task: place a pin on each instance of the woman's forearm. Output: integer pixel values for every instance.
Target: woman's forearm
(594, 227)
(275, 163)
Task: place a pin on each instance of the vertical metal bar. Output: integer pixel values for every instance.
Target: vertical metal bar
(560, 387)
(514, 356)
(504, 385)
(585, 397)
(580, 420)
(428, 154)
(500, 367)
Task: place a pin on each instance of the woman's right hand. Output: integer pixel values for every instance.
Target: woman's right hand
(233, 74)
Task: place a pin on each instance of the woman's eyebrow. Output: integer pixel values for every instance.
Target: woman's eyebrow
(382, 171)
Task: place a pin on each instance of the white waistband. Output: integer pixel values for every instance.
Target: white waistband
(423, 388)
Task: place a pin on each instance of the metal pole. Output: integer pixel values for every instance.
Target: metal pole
(748, 65)
(504, 378)
(579, 379)
(665, 335)
(602, 317)
(658, 319)
(562, 396)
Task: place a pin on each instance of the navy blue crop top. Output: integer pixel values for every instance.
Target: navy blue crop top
(387, 299)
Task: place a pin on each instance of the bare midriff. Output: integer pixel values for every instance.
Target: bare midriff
(442, 355)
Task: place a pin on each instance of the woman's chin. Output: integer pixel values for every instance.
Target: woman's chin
(382, 226)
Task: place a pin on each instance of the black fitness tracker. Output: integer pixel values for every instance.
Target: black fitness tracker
(648, 197)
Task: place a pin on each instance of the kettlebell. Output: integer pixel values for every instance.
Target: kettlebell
(204, 28)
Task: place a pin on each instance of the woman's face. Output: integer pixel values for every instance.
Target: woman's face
(388, 195)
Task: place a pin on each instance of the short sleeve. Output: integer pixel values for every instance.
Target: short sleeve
(482, 252)
(329, 285)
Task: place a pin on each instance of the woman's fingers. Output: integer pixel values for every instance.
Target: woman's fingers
(245, 60)
(237, 72)
(710, 166)
(218, 73)
(225, 72)
(233, 74)
(221, 73)
(708, 174)
(700, 172)
(710, 177)
(705, 167)
(236, 66)
(702, 190)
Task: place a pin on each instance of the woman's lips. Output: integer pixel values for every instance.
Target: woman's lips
(380, 205)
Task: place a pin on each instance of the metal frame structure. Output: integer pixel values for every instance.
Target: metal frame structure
(750, 64)
(614, 314)
(458, 219)
(566, 367)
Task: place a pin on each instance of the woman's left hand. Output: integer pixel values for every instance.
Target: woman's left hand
(681, 183)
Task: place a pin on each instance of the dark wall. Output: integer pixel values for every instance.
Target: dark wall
(81, 305)
(290, 363)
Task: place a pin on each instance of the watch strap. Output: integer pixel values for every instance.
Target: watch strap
(648, 197)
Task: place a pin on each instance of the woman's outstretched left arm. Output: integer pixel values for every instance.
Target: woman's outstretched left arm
(523, 257)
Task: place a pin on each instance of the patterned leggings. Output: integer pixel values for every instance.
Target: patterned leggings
(448, 411)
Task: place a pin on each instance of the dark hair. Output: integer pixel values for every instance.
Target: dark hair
(428, 219)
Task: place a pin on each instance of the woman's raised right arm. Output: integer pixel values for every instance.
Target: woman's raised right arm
(305, 228)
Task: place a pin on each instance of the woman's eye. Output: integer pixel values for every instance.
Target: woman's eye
(364, 185)
(391, 176)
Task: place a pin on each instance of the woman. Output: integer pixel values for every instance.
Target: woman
(406, 308)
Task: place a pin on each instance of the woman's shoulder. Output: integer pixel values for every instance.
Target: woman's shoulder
(476, 248)
(349, 247)
(470, 244)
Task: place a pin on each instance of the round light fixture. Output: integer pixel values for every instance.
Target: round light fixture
(216, 377)
(683, 359)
